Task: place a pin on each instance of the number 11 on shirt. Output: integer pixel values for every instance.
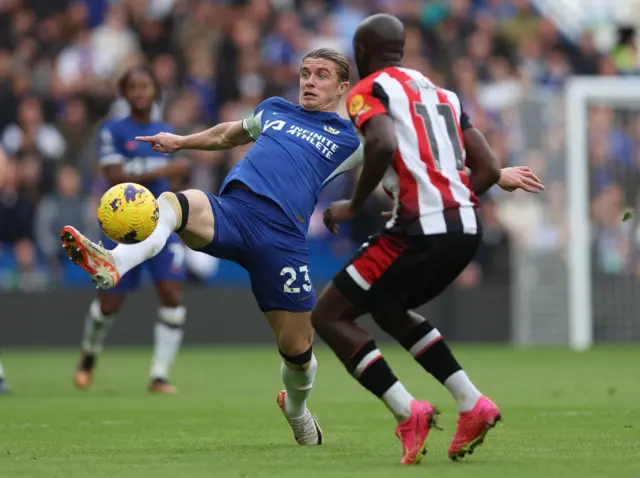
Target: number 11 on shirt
(445, 112)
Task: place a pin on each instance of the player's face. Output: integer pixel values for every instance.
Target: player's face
(140, 92)
(320, 85)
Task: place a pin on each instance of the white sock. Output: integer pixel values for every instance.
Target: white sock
(298, 384)
(127, 256)
(1, 370)
(398, 401)
(463, 390)
(168, 337)
(96, 328)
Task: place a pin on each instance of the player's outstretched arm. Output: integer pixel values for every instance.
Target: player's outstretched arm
(221, 136)
(511, 178)
(485, 169)
(379, 147)
(520, 177)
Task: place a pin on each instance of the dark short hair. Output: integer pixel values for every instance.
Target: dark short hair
(341, 62)
(124, 79)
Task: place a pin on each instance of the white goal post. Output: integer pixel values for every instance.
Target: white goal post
(580, 91)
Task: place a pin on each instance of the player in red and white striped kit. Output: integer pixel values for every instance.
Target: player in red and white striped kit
(418, 142)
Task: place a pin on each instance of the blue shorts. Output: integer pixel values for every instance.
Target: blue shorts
(167, 265)
(254, 232)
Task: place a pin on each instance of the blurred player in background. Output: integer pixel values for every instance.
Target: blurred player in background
(416, 138)
(261, 217)
(4, 388)
(123, 159)
(4, 163)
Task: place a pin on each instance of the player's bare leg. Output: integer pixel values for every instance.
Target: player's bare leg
(106, 267)
(97, 325)
(334, 321)
(478, 414)
(168, 335)
(294, 336)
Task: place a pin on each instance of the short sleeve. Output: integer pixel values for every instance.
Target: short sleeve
(356, 159)
(252, 125)
(108, 153)
(366, 100)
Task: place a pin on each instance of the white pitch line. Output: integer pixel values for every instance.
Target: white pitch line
(581, 413)
(567, 413)
(106, 423)
(25, 425)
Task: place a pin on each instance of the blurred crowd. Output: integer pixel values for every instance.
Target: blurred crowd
(216, 60)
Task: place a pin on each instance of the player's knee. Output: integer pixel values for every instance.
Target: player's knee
(197, 201)
(297, 361)
(197, 221)
(172, 299)
(295, 345)
(173, 317)
(107, 304)
(170, 295)
(185, 203)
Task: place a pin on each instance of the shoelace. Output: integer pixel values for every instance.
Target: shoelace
(304, 427)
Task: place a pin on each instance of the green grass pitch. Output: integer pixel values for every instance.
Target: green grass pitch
(565, 415)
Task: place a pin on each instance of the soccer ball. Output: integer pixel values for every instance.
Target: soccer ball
(128, 213)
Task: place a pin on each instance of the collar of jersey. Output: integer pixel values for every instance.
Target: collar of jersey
(319, 114)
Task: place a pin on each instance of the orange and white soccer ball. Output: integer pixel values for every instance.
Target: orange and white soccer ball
(128, 213)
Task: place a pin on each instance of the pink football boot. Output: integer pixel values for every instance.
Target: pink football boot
(414, 430)
(473, 427)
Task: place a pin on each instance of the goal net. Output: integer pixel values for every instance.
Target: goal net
(576, 264)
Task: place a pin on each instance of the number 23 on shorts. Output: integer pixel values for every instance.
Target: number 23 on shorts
(292, 277)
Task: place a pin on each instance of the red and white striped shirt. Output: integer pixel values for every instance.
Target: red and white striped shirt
(426, 179)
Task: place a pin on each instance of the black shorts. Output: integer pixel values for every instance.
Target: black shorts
(403, 272)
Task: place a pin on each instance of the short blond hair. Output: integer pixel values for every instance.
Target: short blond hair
(341, 62)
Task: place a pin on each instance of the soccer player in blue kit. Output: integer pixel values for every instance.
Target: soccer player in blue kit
(123, 159)
(4, 163)
(261, 217)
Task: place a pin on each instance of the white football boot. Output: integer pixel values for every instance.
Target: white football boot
(306, 430)
(92, 257)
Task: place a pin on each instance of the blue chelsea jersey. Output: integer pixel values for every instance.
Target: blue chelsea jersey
(295, 153)
(117, 145)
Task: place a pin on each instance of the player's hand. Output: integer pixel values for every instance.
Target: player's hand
(163, 142)
(387, 215)
(338, 212)
(520, 177)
